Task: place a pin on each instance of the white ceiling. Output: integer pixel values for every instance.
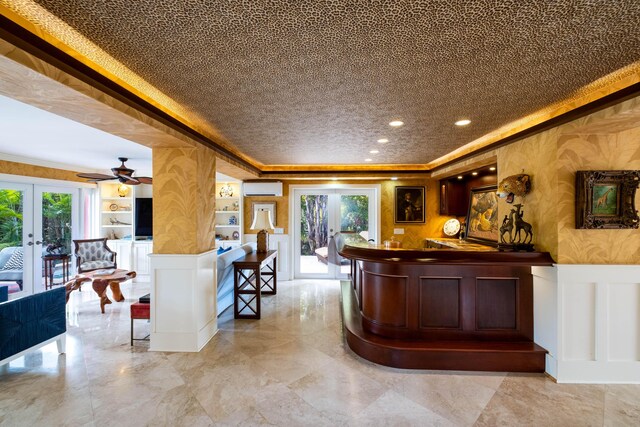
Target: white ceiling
(32, 135)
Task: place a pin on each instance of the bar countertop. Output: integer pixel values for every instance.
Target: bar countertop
(446, 251)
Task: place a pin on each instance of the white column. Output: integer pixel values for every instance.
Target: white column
(183, 301)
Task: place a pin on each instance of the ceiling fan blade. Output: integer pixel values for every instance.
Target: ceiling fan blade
(95, 176)
(125, 179)
(145, 179)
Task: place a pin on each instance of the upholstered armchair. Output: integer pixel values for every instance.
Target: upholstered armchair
(94, 254)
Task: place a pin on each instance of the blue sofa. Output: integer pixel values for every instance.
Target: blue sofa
(33, 321)
(225, 274)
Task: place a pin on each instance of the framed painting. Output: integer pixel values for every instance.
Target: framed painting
(409, 205)
(267, 206)
(482, 216)
(606, 199)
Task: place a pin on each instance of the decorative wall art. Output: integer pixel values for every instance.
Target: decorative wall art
(267, 206)
(606, 199)
(409, 205)
(482, 216)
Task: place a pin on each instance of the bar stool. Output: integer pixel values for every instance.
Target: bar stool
(139, 310)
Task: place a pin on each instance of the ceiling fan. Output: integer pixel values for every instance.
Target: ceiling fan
(121, 173)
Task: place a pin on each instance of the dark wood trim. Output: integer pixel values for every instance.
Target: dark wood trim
(34, 45)
(443, 256)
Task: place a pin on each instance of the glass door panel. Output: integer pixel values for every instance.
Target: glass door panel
(314, 234)
(16, 239)
(55, 226)
(354, 218)
(319, 213)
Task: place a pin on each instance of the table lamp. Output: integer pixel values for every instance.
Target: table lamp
(262, 221)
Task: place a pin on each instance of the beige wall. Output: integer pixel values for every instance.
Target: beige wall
(606, 140)
(23, 169)
(414, 233)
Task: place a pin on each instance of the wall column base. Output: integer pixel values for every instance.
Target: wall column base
(183, 301)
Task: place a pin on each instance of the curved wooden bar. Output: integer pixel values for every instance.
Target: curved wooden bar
(442, 309)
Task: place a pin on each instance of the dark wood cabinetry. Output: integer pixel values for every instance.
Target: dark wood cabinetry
(442, 309)
(453, 198)
(454, 192)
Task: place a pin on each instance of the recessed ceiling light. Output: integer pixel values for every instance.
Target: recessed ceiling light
(462, 122)
(394, 178)
(367, 160)
(492, 168)
(374, 151)
(474, 173)
(383, 140)
(396, 123)
(459, 176)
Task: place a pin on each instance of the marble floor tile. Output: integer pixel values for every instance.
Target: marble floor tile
(537, 400)
(290, 368)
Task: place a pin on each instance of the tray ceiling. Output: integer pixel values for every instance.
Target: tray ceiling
(317, 82)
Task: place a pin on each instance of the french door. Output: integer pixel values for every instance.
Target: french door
(33, 217)
(321, 212)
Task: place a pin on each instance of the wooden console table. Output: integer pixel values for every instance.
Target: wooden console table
(248, 281)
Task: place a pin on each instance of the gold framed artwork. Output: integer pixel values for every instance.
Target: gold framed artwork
(606, 199)
(409, 205)
(482, 216)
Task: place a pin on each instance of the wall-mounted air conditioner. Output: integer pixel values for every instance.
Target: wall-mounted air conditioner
(262, 189)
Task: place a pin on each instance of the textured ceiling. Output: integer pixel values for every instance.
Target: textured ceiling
(316, 82)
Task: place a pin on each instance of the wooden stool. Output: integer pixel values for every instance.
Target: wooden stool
(139, 311)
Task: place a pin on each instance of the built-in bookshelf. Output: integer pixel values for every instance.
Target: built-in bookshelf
(228, 214)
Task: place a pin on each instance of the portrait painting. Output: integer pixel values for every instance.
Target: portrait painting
(409, 205)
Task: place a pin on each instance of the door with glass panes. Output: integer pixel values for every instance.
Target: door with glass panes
(321, 212)
(32, 219)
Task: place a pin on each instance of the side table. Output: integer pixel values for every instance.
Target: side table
(248, 281)
(49, 262)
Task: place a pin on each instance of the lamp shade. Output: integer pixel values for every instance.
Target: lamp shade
(262, 220)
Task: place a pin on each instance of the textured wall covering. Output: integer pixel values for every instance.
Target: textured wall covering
(536, 156)
(595, 152)
(608, 139)
(15, 168)
(296, 76)
(183, 200)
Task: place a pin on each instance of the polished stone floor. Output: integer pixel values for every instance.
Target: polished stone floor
(289, 368)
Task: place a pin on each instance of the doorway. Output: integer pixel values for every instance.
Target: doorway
(320, 212)
(34, 218)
